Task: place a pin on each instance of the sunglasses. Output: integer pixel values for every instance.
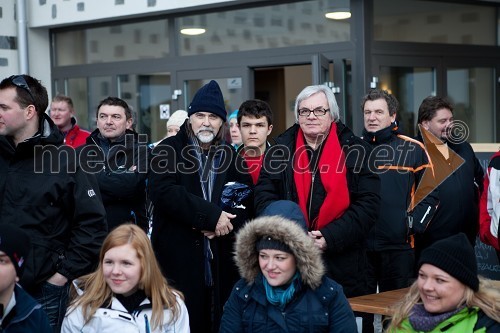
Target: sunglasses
(19, 81)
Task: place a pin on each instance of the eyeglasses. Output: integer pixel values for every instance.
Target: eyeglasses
(19, 81)
(305, 112)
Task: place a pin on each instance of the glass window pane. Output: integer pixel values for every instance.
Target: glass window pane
(76, 88)
(292, 24)
(434, 22)
(143, 40)
(153, 90)
(99, 88)
(471, 91)
(410, 85)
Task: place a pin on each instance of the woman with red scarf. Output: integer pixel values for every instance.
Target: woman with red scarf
(323, 167)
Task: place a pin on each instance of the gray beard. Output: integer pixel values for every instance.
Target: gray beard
(205, 138)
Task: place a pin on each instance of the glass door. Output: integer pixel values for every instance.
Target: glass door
(410, 82)
(472, 91)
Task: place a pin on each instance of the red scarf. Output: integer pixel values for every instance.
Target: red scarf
(331, 167)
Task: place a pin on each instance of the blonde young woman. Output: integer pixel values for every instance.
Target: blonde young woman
(127, 292)
(448, 295)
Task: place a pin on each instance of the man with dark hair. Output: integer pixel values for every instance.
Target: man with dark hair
(193, 231)
(400, 162)
(459, 192)
(62, 114)
(255, 120)
(121, 160)
(45, 192)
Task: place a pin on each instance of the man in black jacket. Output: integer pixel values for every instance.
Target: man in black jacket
(400, 162)
(459, 193)
(44, 191)
(323, 167)
(120, 160)
(193, 231)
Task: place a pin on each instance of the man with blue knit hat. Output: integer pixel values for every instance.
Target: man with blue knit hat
(192, 234)
(19, 312)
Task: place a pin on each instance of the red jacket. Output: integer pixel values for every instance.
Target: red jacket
(489, 205)
(76, 136)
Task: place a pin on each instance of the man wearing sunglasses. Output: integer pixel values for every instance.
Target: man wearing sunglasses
(44, 192)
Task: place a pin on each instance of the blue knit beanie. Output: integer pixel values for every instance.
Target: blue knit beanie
(233, 115)
(208, 99)
(287, 209)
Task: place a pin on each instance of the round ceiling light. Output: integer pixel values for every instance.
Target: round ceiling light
(193, 31)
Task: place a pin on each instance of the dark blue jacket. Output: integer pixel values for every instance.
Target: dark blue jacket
(324, 309)
(26, 316)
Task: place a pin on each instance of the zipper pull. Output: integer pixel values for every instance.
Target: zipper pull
(425, 215)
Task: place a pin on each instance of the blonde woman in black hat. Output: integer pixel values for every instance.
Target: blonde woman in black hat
(448, 295)
(283, 286)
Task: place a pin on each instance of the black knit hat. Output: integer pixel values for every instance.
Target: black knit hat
(16, 244)
(268, 243)
(208, 99)
(454, 255)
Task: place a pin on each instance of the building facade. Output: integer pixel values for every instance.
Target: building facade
(270, 50)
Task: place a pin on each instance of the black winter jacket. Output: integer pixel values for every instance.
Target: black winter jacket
(44, 191)
(181, 214)
(345, 256)
(400, 163)
(458, 209)
(121, 168)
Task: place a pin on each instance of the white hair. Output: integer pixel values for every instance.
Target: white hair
(311, 90)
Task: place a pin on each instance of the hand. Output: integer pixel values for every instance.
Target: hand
(319, 240)
(58, 280)
(208, 234)
(224, 225)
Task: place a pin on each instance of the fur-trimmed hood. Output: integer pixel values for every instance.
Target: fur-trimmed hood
(307, 255)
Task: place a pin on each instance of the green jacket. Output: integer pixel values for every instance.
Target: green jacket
(463, 322)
